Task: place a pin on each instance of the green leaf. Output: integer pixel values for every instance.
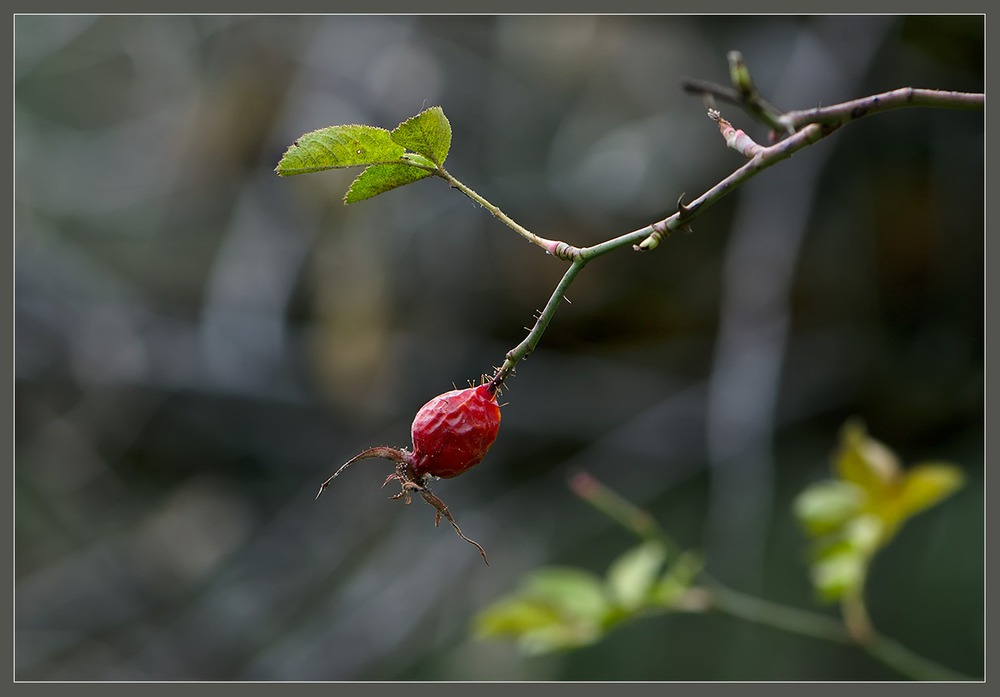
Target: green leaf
(556, 608)
(575, 592)
(865, 461)
(865, 534)
(825, 506)
(631, 576)
(419, 160)
(839, 574)
(928, 483)
(558, 637)
(840, 561)
(378, 179)
(924, 486)
(427, 133)
(536, 625)
(514, 616)
(339, 146)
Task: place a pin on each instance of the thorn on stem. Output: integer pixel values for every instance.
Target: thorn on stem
(681, 208)
(683, 211)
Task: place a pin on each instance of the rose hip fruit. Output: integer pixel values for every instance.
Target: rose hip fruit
(451, 433)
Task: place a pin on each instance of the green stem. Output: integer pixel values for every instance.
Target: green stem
(806, 623)
(856, 617)
(631, 517)
(906, 662)
(777, 616)
(521, 351)
(546, 244)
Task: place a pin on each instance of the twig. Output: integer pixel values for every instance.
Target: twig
(551, 246)
(840, 114)
(743, 93)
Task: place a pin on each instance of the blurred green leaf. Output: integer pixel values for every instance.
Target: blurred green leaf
(575, 592)
(537, 625)
(559, 608)
(556, 608)
(927, 484)
(559, 637)
(377, 179)
(865, 461)
(840, 560)
(339, 146)
(865, 534)
(427, 133)
(824, 506)
(514, 616)
(839, 574)
(632, 575)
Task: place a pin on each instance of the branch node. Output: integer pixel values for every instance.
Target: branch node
(660, 232)
(561, 250)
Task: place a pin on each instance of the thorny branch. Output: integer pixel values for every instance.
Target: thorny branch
(800, 128)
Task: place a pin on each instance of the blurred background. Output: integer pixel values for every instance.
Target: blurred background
(199, 343)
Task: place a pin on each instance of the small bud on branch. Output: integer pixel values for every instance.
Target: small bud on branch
(736, 138)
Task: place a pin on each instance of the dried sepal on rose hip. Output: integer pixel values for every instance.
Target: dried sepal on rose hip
(451, 433)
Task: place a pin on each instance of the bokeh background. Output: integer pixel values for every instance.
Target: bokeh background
(199, 342)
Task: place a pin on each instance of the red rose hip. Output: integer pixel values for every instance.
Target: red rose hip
(451, 433)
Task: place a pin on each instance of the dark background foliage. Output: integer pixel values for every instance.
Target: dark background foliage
(199, 343)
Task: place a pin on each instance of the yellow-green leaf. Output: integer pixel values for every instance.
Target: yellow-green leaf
(824, 506)
(558, 637)
(632, 575)
(865, 461)
(427, 133)
(926, 485)
(514, 616)
(865, 534)
(575, 592)
(840, 574)
(339, 146)
(535, 625)
(556, 608)
(377, 179)
(852, 517)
